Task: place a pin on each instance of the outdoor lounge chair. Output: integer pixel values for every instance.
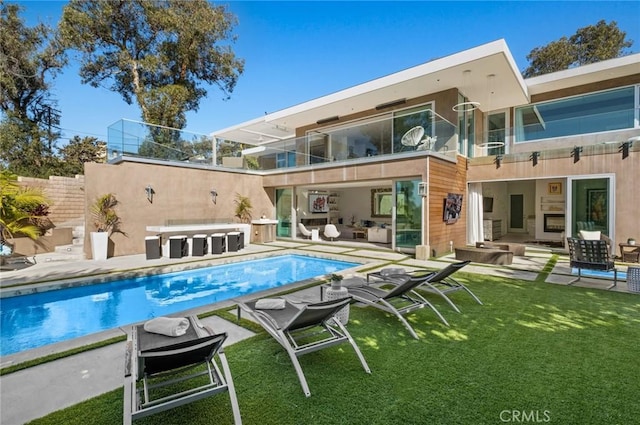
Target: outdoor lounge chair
(304, 329)
(154, 363)
(11, 260)
(403, 295)
(439, 282)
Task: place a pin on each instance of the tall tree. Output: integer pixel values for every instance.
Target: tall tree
(29, 58)
(81, 150)
(158, 52)
(590, 44)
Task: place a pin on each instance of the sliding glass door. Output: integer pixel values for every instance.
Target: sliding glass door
(408, 214)
(591, 205)
(284, 207)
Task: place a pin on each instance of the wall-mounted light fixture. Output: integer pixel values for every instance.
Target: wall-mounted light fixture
(214, 195)
(423, 189)
(498, 161)
(328, 119)
(396, 102)
(150, 192)
(624, 147)
(575, 153)
(534, 157)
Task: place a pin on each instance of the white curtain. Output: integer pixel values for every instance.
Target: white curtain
(475, 230)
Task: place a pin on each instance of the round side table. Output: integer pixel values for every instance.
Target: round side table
(336, 294)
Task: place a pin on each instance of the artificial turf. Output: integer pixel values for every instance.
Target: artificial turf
(534, 352)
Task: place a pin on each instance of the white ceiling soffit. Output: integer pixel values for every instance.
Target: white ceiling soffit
(434, 76)
(587, 74)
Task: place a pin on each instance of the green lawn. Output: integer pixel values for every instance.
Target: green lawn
(541, 352)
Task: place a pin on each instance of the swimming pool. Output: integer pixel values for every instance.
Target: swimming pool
(34, 320)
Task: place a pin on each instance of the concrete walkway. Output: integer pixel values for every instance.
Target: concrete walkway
(56, 385)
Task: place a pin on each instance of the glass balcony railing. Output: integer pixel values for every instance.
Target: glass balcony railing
(138, 139)
(418, 131)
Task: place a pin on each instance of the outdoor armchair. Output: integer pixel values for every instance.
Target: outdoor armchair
(304, 329)
(591, 255)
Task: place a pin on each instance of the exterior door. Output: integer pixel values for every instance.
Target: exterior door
(516, 213)
(283, 212)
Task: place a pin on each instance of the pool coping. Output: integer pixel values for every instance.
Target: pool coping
(346, 254)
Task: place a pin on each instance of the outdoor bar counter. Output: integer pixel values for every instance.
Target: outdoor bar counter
(264, 230)
(190, 230)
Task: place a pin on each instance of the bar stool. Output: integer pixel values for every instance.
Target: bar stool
(152, 247)
(241, 240)
(218, 243)
(233, 241)
(200, 246)
(178, 247)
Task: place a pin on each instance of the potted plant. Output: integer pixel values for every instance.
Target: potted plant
(631, 241)
(106, 222)
(243, 208)
(336, 281)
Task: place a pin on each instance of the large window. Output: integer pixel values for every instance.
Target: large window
(590, 113)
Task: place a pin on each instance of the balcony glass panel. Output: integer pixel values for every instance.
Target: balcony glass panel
(359, 140)
(133, 138)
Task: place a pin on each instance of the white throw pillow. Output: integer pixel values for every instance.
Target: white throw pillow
(590, 235)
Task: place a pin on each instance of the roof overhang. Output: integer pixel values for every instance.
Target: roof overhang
(507, 89)
(587, 74)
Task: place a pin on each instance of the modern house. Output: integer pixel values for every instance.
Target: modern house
(457, 150)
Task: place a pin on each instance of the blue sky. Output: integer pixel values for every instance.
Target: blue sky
(297, 51)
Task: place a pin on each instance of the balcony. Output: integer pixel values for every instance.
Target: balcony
(366, 140)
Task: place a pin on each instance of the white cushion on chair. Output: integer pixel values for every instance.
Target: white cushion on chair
(590, 235)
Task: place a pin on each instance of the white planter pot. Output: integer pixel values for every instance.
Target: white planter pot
(99, 245)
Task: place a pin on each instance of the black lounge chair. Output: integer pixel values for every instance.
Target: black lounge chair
(439, 282)
(158, 362)
(591, 255)
(399, 300)
(304, 329)
(14, 260)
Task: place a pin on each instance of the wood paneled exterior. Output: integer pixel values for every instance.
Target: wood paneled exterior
(445, 178)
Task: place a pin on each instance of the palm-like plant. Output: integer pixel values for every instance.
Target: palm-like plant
(105, 218)
(17, 208)
(243, 208)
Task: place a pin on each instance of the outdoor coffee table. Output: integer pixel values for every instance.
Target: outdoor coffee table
(630, 253)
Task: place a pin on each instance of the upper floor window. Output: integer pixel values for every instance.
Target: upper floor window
(589, 113)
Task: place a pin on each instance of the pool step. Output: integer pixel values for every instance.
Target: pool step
(70, 252)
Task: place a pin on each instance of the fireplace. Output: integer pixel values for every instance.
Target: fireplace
(554, 223)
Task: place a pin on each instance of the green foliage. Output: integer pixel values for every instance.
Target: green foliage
(28, 131)
(105, 217)
(158, 53)
(243, 208)
(21, 209)
(590, 44)
(81, 150)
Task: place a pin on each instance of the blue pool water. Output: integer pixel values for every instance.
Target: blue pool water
(31, 321)
(599, 274)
